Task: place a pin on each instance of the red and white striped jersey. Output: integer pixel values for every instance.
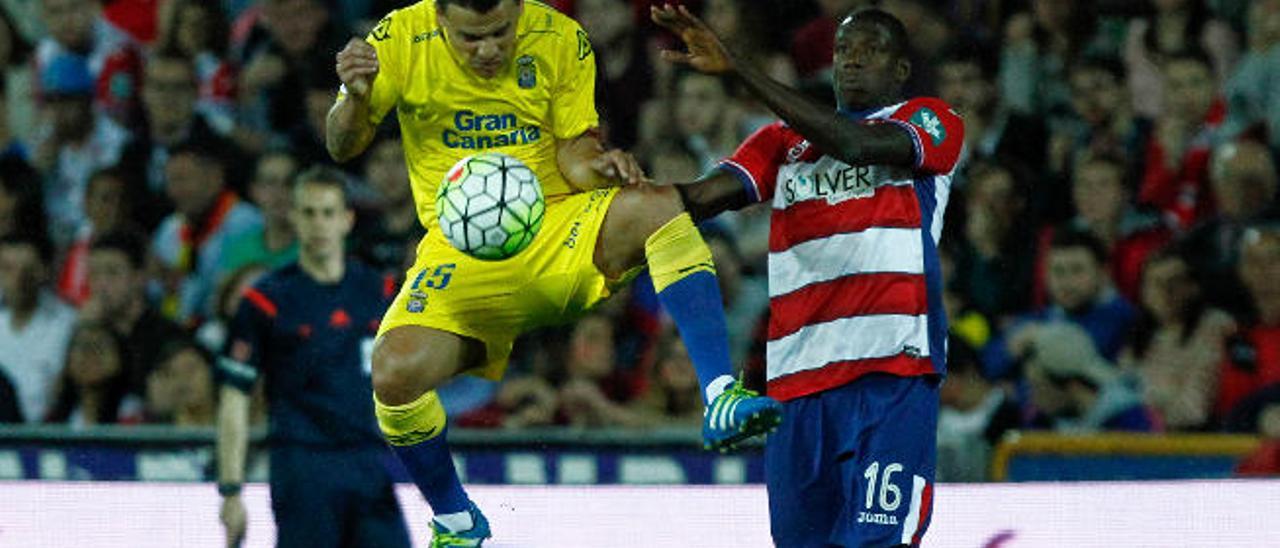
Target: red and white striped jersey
(854, 281)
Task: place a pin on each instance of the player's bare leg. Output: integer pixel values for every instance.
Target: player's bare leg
(648, 224)
(409, 363)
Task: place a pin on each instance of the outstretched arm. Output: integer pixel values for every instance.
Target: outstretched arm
(712, 195)
(849, 141)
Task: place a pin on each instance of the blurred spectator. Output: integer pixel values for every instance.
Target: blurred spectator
(746, 297)
(1037, 50)
(1100, 121)
(592, 394)
(1177, 344)
(21, 199)
(1073, 389)
(993, 259)
(280, 66)
(181, 391)
(108, 208)
(521, 402)
(76, 27)
(306, 138)
(1103, 208)
(34, 324)
(1253, 355)
(1173, 28)
(1253, 100)
(1243, 177)
(1079, 294)
(16, 113)
(117, 298)
(387, 235)
(992, 132)
(200, 31)
(212, 334)
(686, 135)
(974, 416)
(626, 73)
(1177, 155)
(173, 117)
(275, 244)
(94, 387)
(73, 144)
(674, 397)
(188, 245)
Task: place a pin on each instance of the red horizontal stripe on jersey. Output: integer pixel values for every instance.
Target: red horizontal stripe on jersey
(832, 375)
(256, 298)
(854, 295)
(891, 207)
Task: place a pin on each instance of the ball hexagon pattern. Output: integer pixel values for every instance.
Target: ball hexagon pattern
(490, 206)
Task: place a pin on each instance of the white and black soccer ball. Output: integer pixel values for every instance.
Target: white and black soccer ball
(490, 206)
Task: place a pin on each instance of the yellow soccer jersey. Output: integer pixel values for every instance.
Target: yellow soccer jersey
(545, 94)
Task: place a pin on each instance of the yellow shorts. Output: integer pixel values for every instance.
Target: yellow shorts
(552, 281)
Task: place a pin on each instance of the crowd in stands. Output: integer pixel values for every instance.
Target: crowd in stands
(1111, 249)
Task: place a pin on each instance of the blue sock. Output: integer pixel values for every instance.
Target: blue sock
(431, 467)
(694, 303)
(685, 279)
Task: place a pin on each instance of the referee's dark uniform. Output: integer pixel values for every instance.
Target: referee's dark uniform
(310, 342)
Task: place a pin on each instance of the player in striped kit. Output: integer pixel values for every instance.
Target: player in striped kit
(857, 332)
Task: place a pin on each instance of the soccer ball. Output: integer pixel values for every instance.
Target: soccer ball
(490, 206)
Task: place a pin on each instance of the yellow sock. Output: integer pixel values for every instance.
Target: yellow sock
(675, 251)
(413, 422)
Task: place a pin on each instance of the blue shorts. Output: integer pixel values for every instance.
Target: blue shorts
(854, 465)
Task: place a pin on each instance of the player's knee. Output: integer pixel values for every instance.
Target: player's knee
(398, 375)
(654, 206)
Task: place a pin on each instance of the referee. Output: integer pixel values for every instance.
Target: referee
(307, 329)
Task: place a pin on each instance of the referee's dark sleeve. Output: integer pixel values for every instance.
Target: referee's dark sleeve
(240, 363)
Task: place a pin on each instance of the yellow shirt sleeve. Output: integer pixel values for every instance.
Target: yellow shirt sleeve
(573, 102)
(389, 40)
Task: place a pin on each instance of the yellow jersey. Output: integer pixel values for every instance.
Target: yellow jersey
(447, 112)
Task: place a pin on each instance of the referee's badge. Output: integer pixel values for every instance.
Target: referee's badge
(417, 302)
(526, 72)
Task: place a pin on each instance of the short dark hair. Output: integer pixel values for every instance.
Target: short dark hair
(39, 241)
(199, 148)
(131, 244)
(1065, 238)
(478, 6)
(970, 52)
(885, 21)
(324, 176)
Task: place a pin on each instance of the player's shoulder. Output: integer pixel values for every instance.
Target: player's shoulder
(547, 27)
(540, 17)
(406, 25)
(922, 108)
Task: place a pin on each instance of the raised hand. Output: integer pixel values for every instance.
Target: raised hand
(357, 67)
(706, 52)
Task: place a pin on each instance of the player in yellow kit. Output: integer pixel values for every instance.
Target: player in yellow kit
(468, 76)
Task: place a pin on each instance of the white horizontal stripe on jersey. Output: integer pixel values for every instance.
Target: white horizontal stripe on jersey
(847, 339)
(871, 250)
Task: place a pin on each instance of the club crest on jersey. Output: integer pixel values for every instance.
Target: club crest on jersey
(526, 72)
(417, 302)
(797, 151)
(928, 120)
